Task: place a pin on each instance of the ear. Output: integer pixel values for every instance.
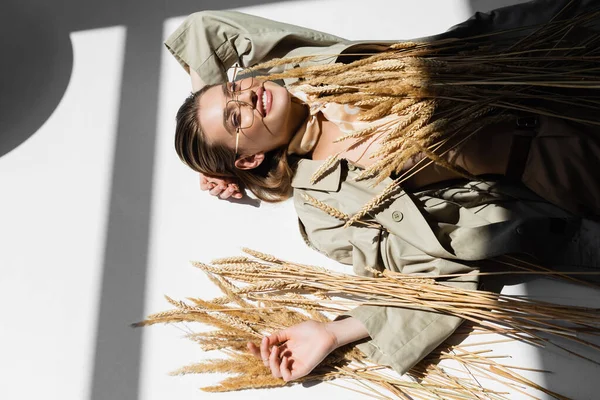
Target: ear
(250, 162)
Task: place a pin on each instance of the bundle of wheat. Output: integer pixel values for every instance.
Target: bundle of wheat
(265, 294)
(443, 92)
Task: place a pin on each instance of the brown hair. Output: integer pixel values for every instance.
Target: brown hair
(271, 181)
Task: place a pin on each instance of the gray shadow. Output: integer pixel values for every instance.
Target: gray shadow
(35, 73)
(118, 347)
(35, 70)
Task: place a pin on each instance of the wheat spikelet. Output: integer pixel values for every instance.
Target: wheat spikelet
(398, 129)
(235, 345)
(377, 112)
(178, 304)
(280, 61)
(373, 169)
(328, 164)
(311, 70)
(221, 300)
(214, 334)
(389, 147)
(248, 267)
(262, 256)
(227, 288)
(329, 89)
(428, 129)
(402, 105)
(417, 107)
(387, 65)
(244, 382)
(352, 98)
(230, 260)
(394, 167)
(334, 212)
(373, 203)
(358, 77)
(403, 45)
(236, 323)
(242, 364)
(161, 317)
(358, 134)
(369, 101)
(307, 305)
(262, 286)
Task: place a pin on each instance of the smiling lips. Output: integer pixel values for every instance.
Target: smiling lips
(264, 101)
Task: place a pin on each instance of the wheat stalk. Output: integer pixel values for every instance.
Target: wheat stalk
(266, 310)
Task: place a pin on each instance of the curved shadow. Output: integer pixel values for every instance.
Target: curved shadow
(36, 72)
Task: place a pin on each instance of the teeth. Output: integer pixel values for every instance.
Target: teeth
(264, 102)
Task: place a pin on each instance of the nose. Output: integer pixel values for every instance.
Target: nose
(249, 96)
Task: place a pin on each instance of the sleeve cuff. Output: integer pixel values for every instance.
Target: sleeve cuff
(401, 337)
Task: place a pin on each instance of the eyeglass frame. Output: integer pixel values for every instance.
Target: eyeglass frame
(239, 103)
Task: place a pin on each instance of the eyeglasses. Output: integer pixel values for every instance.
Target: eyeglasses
(234, 90)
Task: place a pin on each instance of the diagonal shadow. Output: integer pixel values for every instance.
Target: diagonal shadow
(118, 348)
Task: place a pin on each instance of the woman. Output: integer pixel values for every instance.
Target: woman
(244, 132)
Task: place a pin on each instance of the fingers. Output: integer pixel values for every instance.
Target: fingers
(204, 183)
(284, 369)
(225, 194)
(238, 194)
(224, 188)
(217, 190)
(274, 362)
(273, 355)
(277, 337)
(254, 350)
(264, 351)
(230, 191)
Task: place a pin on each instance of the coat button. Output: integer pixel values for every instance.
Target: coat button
(520, 230)
(397, 216)
(351, 167)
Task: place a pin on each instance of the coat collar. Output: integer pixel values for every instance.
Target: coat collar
(305, 170)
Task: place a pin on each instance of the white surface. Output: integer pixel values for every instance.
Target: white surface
(55, 197)
(55, 190)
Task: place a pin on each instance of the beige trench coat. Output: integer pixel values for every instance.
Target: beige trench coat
(433, 232)
(428, 232)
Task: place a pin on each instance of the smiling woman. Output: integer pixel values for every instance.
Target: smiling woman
(241, 130)
(266, 137)
(251, 116)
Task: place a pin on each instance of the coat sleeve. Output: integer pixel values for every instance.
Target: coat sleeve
(210, 42)
(399, 337)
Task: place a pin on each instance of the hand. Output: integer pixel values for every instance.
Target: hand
(293, 352)
(224, 188)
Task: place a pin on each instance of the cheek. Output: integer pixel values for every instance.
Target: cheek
(281, 103)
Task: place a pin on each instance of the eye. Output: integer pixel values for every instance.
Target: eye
(235, 119)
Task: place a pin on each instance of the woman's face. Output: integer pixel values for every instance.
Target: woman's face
(261, 111)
